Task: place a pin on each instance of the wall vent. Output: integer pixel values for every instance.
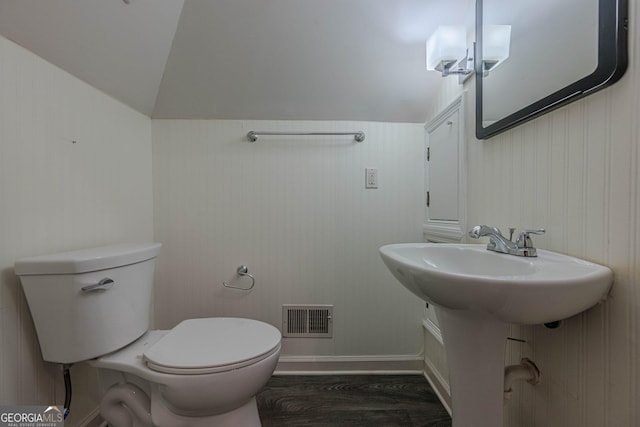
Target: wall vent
(307, 321)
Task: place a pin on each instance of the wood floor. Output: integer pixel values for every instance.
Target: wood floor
(351, 401)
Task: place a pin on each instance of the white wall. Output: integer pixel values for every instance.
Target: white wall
(57, 195)
(580, 179)
(296, 212)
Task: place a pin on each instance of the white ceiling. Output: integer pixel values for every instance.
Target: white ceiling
(244, 59)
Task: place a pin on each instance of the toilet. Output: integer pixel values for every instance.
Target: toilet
(94, 306)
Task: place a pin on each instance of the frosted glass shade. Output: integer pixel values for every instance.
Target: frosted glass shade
(495, 43)
(448, 43)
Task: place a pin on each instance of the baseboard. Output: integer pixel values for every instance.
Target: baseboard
(350, 365)
(93, 419)
(432, 373)
(438, 384)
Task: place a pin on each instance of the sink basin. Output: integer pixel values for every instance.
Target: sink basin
(513, 289)
(479, 293)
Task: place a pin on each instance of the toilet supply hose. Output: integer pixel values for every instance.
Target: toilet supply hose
(67, 389)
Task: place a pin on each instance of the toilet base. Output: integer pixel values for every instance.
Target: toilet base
(245, 416)
(221, 399)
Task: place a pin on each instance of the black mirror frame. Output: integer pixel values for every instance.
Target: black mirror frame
(612, 63)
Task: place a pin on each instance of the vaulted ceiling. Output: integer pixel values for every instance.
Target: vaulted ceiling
(244, 59)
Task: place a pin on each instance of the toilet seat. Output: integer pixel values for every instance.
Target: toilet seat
(210, 345)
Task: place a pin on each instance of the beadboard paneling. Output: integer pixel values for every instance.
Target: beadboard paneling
(574, 172)
(295, 211)
(58, 195)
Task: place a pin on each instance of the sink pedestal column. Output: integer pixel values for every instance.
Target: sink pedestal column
(475, 348)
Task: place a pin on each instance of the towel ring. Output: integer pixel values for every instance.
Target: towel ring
(242, 271)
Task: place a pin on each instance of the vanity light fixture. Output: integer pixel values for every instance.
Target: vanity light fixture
(446, 47)
(496, 42)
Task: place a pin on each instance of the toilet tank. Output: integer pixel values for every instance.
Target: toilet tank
(90, 302)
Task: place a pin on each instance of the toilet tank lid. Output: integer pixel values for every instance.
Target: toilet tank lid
(86, 260)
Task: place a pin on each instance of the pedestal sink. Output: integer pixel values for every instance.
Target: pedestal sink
(479, 294)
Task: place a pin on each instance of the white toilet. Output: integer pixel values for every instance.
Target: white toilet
(94, 305)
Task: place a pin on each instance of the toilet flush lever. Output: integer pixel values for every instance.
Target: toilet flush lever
(242, 270)
(101, 286)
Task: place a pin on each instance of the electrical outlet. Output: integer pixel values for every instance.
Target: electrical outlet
(371, 178)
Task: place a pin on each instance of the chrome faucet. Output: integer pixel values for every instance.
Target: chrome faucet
(523, 246)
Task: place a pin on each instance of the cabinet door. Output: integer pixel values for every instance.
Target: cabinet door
(443, 170)
(445, 175)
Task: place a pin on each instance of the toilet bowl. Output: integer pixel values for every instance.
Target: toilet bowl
(200, 369)
(203, 372)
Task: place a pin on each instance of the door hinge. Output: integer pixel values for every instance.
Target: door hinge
(428, 153)
(428, 197)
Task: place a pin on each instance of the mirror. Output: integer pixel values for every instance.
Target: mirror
(558, 52)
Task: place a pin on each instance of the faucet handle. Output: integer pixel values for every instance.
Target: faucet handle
(524, 240)
(538, 231)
